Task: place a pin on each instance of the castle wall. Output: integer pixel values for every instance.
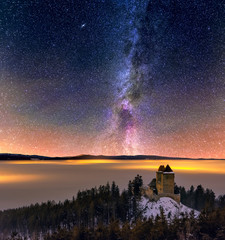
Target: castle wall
(175, 197)
(159, 182)
(153, 197)
(168, 183)
(148, 191)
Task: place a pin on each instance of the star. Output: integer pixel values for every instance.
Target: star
(83, 25)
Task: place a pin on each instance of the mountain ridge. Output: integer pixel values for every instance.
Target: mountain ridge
(10, 156)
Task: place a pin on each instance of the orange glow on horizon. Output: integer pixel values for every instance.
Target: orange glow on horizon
(63, 162)
(17, 178)
(50, 140)
(92, 161)
(190, 166)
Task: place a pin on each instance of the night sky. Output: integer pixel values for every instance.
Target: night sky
(112, 77)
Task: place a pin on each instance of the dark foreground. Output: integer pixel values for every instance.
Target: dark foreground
(105, 213)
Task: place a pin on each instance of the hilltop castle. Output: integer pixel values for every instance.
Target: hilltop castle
(162, 185)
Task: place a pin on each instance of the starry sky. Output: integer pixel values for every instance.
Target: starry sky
(112, 77)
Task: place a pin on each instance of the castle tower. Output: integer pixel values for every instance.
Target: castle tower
(168, 180)
(165, 180)
(159, 179)
(162, 185)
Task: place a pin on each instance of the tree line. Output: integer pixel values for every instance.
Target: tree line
(107, 213)
(200, 198)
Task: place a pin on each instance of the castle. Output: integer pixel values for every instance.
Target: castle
(162, 185)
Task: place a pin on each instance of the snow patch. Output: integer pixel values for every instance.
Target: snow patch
(170, 207)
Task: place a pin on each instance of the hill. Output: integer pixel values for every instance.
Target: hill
(171, 208)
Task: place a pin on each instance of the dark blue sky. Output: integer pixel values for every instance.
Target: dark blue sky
(112, 77)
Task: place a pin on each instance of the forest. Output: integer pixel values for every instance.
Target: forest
(108, 213)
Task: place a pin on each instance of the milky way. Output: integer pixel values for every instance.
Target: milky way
(112, 77)
(129, 91)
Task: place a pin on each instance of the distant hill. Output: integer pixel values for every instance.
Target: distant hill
(9, 156)
(13, 157)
